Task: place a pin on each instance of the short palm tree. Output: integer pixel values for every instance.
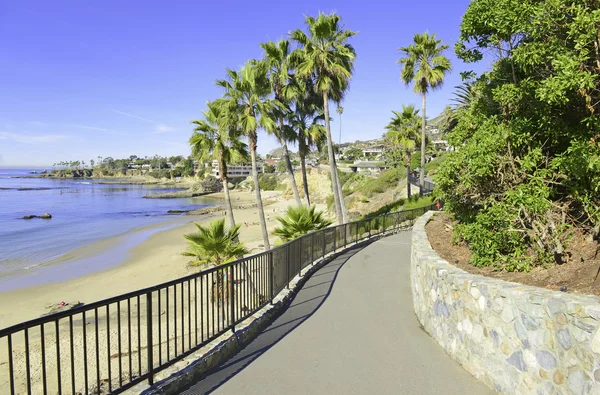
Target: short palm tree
(298, 221)
(277, 60)
(327, 57)
(215, 244)
(216, 137)
(246, 93)
(424, 65)
(403, 133)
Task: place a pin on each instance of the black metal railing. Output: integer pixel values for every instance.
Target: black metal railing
(111, 345)
(428, 186)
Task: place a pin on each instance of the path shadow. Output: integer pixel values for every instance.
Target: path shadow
(306, 302)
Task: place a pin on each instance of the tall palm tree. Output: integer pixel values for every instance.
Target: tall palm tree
(403, 133)
(246, 93)
(277, 59)
(304, 123)
(326, 56)
(340, 110)
(216, 137)
(424, 65)
(305, 128)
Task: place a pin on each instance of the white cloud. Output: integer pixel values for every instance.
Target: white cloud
(110, 131)
(31, 139)
(162, 128)
(134, 116)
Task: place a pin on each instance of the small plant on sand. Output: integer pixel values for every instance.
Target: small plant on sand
(298, 221)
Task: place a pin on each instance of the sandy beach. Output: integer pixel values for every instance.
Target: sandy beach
(153, 261)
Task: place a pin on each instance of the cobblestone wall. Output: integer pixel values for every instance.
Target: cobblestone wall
(515, 338)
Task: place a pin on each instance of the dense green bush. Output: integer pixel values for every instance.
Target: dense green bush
(527, 170)
(268, 182)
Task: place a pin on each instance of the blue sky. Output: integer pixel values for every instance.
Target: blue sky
(81, 79)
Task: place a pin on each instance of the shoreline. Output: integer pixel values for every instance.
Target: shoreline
(155, 259)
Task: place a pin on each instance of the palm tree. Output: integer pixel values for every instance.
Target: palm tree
(340, 110)
(246, 94)
(425, 66)
(298, 221)
(326, 56)
(304, 124)
(215, 137)
(277, 59)
(403, 133)
(215, 244)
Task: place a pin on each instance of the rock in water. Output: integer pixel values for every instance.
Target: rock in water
(46, 216)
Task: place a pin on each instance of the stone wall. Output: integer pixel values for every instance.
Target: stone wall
(514, 338)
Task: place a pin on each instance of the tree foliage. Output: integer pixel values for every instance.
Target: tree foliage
(215, 244)
(528, 166)
(298, 221)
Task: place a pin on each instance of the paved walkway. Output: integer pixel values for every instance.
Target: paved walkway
(350, 330)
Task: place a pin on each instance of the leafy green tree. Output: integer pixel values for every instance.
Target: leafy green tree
(277, 60)
(216, 137)
(327, 57)
(353, 154)
(424, 65)
(298, 221)
(403, 134)
(527, 168)
(246, 93)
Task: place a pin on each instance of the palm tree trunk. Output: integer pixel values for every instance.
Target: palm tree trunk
(224, 179)
(228, 206)
(408, 173)
(304, 178)
(261, 212)
(341, 193)
(332, 165)
(423, 135)
(288, 162)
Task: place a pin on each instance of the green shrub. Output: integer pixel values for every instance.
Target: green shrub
(268, 182)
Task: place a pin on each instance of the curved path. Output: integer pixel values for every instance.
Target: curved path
(350, 330)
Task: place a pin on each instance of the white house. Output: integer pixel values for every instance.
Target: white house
(236, 170)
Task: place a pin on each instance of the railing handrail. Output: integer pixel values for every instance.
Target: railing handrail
(113, 299)
(292, 264)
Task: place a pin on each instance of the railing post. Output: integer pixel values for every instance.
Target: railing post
(334, 238)
(232, 298)
(287, 266)
(357, 232)
(384, 219)
(271, 274)
(149, 337)
(370, 228)
(312, 247)
(324, 242)
(345, 235)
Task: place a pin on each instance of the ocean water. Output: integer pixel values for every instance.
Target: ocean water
(83, 211)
